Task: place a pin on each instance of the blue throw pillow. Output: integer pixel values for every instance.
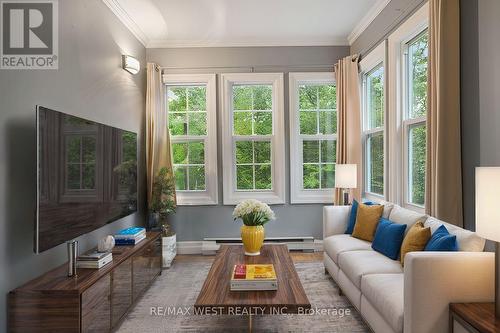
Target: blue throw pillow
(388, 238)
(352, 215)
(441, 240)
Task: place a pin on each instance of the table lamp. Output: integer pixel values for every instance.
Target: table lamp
(346, 178)
(488, 216)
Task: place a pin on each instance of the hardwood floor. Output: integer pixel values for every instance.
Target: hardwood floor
(297, 256)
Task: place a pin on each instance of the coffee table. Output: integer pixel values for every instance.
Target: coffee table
(216, 297)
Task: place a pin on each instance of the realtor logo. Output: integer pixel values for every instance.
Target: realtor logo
(29, 34)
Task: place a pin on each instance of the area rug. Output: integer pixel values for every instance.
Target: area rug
(168, 306)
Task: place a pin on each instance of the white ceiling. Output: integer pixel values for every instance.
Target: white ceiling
(203, 23)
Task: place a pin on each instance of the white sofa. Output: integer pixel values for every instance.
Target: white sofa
(415, 298)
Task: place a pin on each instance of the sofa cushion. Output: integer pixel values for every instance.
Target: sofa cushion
(337, 244)
(388, 206)
(367, 221)
(388, 238)
(356, 264)
(415, 240)
(441, 240)
(386, 293)
(467, 240)
(405, 216)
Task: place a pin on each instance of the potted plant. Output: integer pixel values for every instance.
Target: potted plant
(254, 215)
(161, 205)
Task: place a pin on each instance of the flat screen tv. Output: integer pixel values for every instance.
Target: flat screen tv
(86, 176)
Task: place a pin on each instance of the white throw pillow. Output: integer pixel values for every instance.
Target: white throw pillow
(467, 240)
(405, 216)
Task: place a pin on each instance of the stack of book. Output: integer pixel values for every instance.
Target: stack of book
(130, 236)
(94, 260)
(253, 277)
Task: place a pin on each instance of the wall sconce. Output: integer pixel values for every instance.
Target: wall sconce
(131, 64)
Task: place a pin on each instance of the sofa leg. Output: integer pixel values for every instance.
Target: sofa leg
(326, 271)
(340, 292)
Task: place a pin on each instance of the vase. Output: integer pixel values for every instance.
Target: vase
(169, 250)
(252, 237)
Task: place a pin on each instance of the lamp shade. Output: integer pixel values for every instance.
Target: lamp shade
(488, 202)
(346, 176)
(131, 64)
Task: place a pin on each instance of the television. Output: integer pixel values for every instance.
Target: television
(86, 176)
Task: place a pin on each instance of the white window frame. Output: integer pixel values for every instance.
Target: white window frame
(298, 194)
(210, 195)
(277, 194)
(396, 104)
(371, 61)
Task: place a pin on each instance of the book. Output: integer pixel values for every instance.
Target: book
(253, 277)
(132, 232)
(94, 264)
(129, 241)
(93, 256)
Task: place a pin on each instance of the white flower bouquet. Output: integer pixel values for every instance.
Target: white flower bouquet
(253, 212)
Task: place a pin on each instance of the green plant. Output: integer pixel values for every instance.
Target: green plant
(163, 198)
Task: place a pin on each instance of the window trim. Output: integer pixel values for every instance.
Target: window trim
(297, 194)
(210, 195)
(277, 194)
(398, 154)
(371, 61)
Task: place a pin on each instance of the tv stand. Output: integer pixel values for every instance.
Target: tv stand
(94, 301)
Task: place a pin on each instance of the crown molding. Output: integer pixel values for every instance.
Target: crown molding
(161, 43)
(374, 11)
(129, 23)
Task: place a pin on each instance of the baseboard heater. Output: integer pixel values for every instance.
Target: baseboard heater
(306, 244)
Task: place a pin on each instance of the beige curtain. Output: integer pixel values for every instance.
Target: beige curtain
(348, 119)
(444, 172)
(158, 149)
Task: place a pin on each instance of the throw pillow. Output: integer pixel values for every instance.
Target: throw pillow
(388, 238)
(441, 240)
(366, 221)
(353, 214)
(415, 240)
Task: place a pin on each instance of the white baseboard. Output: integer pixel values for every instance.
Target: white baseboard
(206, 248)
(189, 247)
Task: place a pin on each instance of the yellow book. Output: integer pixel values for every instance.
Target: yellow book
(254, 272)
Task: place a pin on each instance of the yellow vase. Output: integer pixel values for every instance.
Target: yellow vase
(253, 237)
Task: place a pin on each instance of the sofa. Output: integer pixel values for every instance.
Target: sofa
(414, 298)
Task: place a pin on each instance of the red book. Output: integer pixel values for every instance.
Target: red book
(240, 271)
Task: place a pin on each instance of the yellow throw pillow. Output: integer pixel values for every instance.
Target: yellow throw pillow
(366, 221)
(415, 240)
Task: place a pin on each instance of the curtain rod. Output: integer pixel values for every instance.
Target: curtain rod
(250, 68)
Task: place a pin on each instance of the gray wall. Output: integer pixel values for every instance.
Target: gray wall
(489, 81)
(195, 223)
(396, 12)
(90, 84)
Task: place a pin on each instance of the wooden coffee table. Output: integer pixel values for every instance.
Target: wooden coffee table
(216, 297)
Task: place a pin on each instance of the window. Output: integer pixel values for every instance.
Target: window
(407, 109)
(253, 138)
(190, 103)
(313, 137)
(414, 125)
(373, 106)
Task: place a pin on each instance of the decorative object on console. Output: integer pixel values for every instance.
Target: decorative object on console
(72, 254)
(106, 244)
(94, 260)
(254, 215)
(131, 64)
(346, 179)
(163, 203)
(488, 216)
